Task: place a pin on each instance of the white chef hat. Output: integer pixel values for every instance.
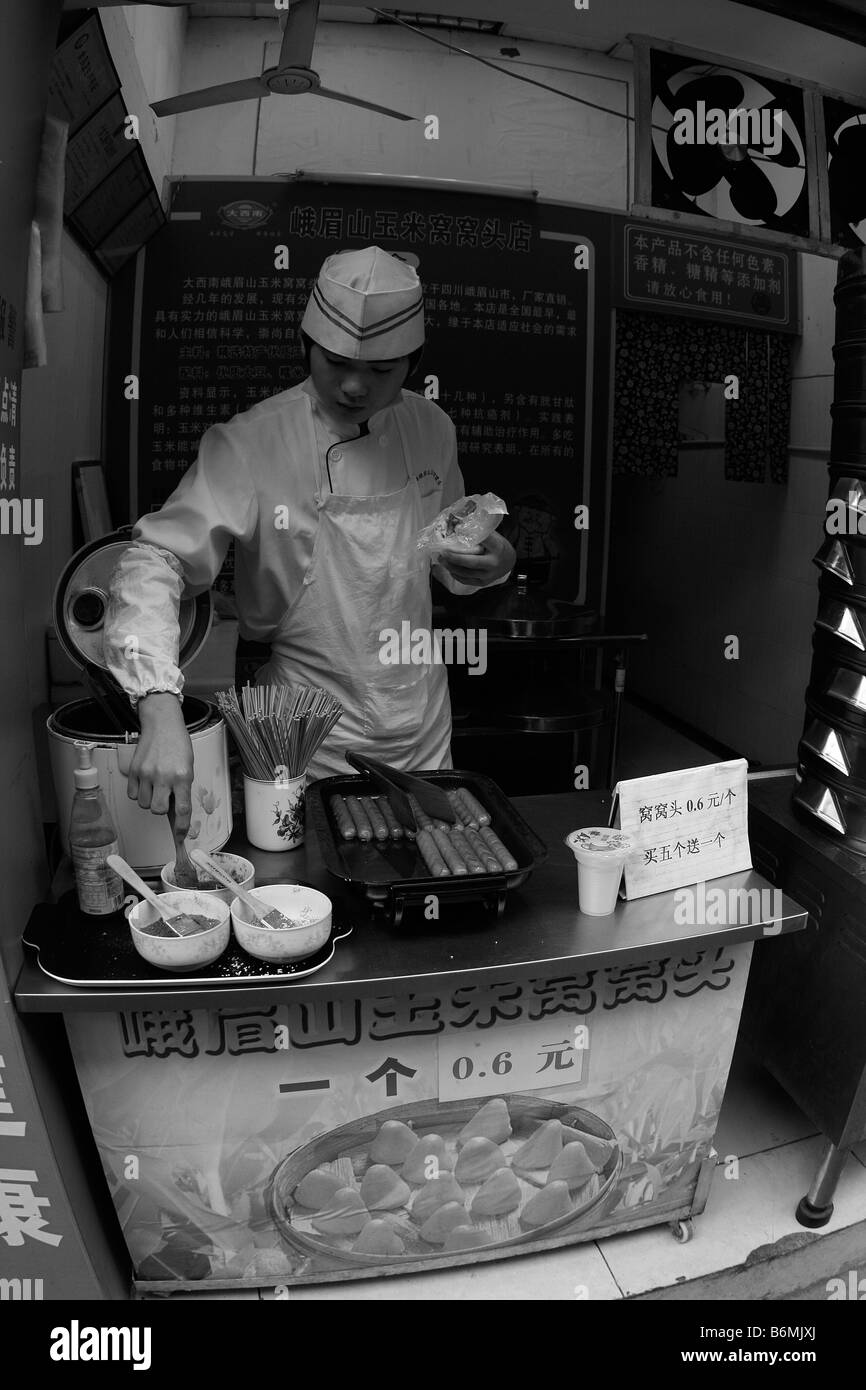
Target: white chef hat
(366, 305)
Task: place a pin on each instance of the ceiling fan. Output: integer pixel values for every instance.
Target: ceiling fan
(291, 77)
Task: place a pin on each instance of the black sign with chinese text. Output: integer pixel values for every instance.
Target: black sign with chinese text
(711, 277)
(516, 324)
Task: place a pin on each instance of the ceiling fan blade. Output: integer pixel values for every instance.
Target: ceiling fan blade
(299, 34)
(356, 101)
(248, 89)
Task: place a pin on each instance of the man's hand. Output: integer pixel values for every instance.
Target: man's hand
(482, 565)
(161, 766)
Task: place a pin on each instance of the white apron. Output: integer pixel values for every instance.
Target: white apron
(365, 575)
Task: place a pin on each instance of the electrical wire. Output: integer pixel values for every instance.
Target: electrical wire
(532, 81)
(517, 76)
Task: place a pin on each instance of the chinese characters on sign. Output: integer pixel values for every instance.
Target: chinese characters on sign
(464, 1016)
(685, 826)
(674, 270)
(510, 329)
(248, 326)
(10, 479)
(21, 1209)
(415, 227)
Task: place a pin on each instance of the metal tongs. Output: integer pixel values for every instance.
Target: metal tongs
(396, 785)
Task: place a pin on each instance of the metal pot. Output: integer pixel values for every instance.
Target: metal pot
(833, 807)
(843, 562)
(80, 606)
(514, 610)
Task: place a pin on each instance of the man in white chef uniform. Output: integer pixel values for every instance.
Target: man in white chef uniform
(323, 489)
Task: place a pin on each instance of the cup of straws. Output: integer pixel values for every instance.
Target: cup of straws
(277, 730)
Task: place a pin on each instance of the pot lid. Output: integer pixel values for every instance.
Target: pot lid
(81, 603)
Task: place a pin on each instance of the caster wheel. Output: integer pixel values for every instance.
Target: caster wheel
(813, 1217)
(396, 915)
(683, 1231)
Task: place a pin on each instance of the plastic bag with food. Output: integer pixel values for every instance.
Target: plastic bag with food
(463, 525)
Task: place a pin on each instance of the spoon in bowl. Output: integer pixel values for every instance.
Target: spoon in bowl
(265, 916)
(179, 923)
(185, 875)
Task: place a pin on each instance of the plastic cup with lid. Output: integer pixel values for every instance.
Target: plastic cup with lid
(601, 853)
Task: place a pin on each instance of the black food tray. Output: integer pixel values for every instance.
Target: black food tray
(392, 874)
(97, 952)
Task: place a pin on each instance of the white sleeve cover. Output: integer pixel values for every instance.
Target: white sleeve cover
(183, 545)
(141, 629)
(453, 488)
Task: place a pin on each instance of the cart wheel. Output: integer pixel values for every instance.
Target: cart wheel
(497, 904)
(395, 917)
(683, 1231)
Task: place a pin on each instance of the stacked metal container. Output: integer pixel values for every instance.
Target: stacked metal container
(831, 776)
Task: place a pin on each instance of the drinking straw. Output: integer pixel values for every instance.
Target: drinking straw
(276, 728)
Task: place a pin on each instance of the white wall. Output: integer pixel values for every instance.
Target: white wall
(493, 131)
(696, 558)
(146, 43)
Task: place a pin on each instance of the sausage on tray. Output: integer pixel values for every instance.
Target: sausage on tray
(461, 811)
(394, 827)
(484, 852)
(360, 818)
(430, 854)
(449, 851)
(475, 809)
(375, 817)
(340, 812)
(470, 858)
(506, 860)
(422, 819)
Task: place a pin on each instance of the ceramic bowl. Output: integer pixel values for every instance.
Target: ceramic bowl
(306, 906)
(240, 869)
(178, 953)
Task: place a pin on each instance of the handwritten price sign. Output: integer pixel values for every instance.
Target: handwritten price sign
(527, 1057)
(686, 827)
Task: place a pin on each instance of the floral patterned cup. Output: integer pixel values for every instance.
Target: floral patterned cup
(275, 812)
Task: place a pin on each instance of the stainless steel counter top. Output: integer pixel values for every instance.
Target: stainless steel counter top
(541, 933)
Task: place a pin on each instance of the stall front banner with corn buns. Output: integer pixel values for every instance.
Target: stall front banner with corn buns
(321, 1139)
(686, 827)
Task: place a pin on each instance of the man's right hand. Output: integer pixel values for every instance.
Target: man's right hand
(161, 766)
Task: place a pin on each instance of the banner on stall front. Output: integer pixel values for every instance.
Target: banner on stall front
(685, 827)
(210, 1124)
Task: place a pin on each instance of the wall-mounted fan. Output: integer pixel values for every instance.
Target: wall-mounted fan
(845, 134)
(292, 75)
(753, 180)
